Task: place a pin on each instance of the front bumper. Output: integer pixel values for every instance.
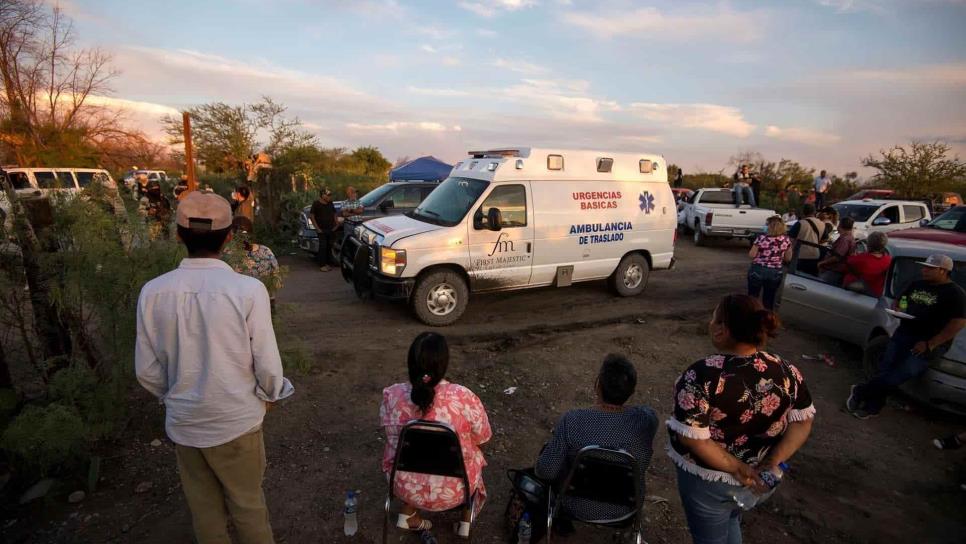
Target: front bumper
(358, 268)
(309, 240)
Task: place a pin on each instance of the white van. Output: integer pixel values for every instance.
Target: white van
(42, 181)
(517, 218)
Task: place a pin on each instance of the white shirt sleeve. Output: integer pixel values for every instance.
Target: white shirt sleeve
(270, 384)
(151, 372)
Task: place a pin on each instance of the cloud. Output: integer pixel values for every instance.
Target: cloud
(710, 117)
(565, 100)
(429, 49)
(520, 66)
(720, 23)
(492, 8)
(802, 135)
(401, 126)
(487, 33)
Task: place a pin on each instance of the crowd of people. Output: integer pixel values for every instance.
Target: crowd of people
(206, 347)
(822, 246)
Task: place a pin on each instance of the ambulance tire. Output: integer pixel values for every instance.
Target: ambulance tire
(631, 275)
(440, 298)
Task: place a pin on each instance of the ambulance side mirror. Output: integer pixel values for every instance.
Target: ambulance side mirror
(495, 219)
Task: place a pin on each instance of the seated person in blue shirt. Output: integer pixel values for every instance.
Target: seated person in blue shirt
(609, 424)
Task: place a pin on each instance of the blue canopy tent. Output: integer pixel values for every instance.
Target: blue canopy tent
(422, 169)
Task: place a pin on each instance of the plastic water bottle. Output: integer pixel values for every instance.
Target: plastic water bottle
(773, 477)
(351, 507)
(524, 530)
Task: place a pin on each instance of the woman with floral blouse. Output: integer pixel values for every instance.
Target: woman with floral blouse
(769, 253)
(737, 413)
(427, 395)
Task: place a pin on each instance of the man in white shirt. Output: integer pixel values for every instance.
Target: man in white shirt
(822, 184)
(206, 348)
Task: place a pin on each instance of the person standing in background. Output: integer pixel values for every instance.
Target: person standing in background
(822, 184)
(324, 217)
(679, 178)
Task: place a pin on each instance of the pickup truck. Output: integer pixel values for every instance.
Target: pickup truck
(883, 215)
(711, 213)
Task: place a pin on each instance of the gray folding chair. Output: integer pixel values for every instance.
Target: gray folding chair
(430, 447)
(608, 477)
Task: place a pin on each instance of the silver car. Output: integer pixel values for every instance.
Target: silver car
(861, 319)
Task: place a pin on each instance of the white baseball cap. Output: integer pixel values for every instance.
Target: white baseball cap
(202, 210)
(938, 260)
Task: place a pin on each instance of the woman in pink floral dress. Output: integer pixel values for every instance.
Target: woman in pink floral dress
(737, 413)
(429, 396)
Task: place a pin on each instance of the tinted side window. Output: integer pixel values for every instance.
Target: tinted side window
(84, 179)
(65, 180)
(19, 180)
(46, 179)
(424, 192)
(913, 214)
(512, 203)
(406, 197)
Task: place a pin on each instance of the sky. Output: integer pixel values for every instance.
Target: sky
(822, 82)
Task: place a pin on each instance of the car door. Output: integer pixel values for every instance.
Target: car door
(887, 219)
(824, 308)
(502, 258)
(913, 214)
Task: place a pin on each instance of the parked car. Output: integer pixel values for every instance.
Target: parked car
(860, 319)
(390, 199)
(883, 215)
(511, 219)
(711, 213)
(36, 182)
(948, 228)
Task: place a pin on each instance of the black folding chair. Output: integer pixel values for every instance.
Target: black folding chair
(607, 477)
(433, 448)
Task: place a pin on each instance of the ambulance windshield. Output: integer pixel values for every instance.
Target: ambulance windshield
(448, 203)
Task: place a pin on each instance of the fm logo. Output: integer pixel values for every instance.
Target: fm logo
(502, 245)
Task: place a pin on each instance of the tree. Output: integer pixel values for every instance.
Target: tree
(48, 115)
(923, 167)
(371, 161)
(223, 135)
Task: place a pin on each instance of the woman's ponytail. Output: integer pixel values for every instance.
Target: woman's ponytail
(428, 361)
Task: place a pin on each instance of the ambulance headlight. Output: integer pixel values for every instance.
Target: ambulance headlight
(392, 262)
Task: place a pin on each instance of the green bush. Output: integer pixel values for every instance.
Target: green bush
(96, 400)
(44, 438)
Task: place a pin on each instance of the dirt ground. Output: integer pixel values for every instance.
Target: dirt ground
(854, 481)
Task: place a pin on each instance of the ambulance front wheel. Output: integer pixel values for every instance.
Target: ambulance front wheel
(631, 275)
(440, 298)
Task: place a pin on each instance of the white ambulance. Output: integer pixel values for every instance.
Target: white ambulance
(515, 218)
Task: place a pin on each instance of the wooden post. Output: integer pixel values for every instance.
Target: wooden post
(189, 153)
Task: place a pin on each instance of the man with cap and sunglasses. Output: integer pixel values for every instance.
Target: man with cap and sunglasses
(206, 348)
(934, 311)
